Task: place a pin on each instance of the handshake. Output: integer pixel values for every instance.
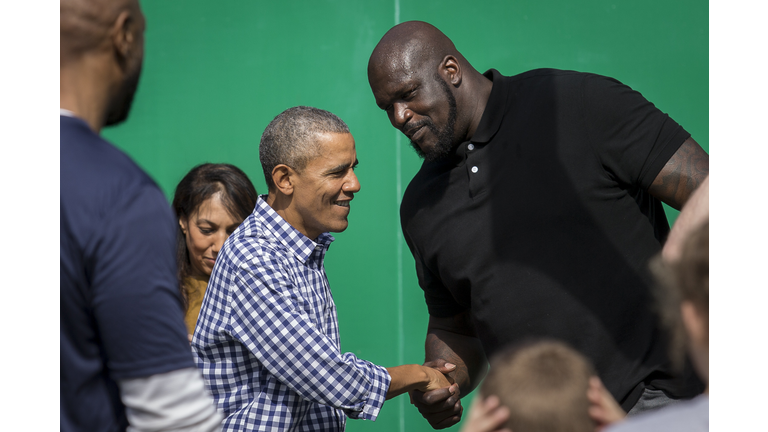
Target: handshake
(432, 389)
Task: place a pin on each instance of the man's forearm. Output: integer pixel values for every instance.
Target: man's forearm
(404, 379)
(466, 352)
(414, 377)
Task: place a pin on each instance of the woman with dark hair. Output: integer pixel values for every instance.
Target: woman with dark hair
(210, 202)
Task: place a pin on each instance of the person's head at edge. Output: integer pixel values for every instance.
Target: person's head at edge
(101, 54)
(543, 384)
(682, 299)
(210, 202)
(429, 90)
(308, 157)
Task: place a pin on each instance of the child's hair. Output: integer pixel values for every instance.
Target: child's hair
(544, 384)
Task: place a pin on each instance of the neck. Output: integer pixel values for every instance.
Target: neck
(475, 99)
(281, 204)
(84, 90)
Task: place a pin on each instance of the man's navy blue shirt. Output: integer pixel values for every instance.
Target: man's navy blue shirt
(121, 314)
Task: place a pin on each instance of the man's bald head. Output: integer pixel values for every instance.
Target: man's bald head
(411, 46)
(86, 25)
(102, 50)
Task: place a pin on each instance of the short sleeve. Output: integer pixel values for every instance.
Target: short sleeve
(633, 138)
(440, 301)
(135, 299)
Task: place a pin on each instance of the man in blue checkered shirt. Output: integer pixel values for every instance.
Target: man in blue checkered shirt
(267, 338)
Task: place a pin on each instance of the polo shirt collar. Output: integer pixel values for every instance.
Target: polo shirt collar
(494, 109)
(296, 242)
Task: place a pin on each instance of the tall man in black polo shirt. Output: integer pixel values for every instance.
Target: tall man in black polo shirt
(535, 213)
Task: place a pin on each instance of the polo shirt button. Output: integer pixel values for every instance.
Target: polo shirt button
(471, 147)
(474, 169)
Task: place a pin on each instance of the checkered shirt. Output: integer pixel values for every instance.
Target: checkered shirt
(267, 338)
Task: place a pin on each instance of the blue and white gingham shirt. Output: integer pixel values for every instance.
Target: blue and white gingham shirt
(267, 337)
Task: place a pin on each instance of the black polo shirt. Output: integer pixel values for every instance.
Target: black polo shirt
(542, 225)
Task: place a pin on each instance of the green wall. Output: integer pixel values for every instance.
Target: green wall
(215, 73)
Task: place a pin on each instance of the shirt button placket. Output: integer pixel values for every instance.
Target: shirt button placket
(472, 160)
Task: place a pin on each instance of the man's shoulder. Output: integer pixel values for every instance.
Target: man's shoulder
(90, 164)
(564, 74)
(555, 80)
(253, 247)
(102, 189)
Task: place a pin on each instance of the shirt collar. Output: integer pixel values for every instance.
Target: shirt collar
(296, 242)
(490, 122)
(66, 112)
(494, 109)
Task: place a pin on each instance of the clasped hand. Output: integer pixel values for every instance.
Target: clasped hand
(441, 404)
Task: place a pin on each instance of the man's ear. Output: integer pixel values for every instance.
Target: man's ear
(124, 36)
(283, 177)
(450, 70)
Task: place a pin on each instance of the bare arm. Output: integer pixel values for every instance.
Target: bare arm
(453, 339)
(681, 175)
(694, 213)
(414, 377)
(450, 340)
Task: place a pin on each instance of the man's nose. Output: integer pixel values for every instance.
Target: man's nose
(351, 184)
(401, 114)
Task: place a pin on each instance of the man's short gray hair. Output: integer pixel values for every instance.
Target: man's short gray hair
(290, 138)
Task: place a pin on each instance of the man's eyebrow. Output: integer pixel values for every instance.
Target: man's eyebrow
(341, 167)
(398, 93)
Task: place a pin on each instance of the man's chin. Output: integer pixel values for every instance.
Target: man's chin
(434, 153)
(418, 150)
(122, 102)
(341, 227)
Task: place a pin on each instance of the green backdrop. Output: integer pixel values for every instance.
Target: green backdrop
(215, 73)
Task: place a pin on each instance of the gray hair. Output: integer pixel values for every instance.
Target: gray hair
(290, 138)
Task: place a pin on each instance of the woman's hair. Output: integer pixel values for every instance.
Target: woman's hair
(237, 195)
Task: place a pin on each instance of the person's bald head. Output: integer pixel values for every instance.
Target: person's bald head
(411, 46)
(102, 41)
(428, 89)
(87, 25)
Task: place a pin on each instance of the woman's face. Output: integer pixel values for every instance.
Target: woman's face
(205, 231)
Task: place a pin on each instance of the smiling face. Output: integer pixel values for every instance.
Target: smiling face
(418, 104)
(324, 188)
(205, 231)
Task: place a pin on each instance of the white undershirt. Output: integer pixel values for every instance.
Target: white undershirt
(171, 401)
